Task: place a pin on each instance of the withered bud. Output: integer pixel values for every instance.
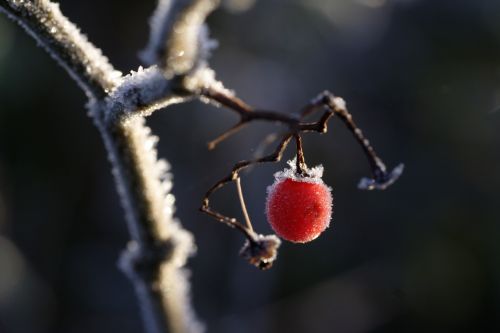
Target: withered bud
(261, 251)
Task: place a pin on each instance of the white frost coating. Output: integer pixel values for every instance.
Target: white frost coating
(174, 284)
(159, 29)
(185, 47)
(153, 176)
(142, 92)
(263, 251)
(339, 103)
(313, 175)
(65, 43)
(179, 40)
(178, 295)
(373, 184)
(156, 184)
(205, 78)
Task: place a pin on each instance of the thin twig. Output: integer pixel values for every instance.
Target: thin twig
(236, 128)
(301, 162)
(331, 106)
(232, 222)
(243, 205)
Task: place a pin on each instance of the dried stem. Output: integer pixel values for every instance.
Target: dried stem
(331, 106)
(236, 128)
(232, 222)
(301, 162)
(243, 205)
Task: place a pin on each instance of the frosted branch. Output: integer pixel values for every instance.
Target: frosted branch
(179, 40)
(84, 62)
(159, 246)
(142, 92)
(147, 90)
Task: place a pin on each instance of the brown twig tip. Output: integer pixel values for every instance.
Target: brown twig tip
(382, 179)
(212, 144)
(261, 251)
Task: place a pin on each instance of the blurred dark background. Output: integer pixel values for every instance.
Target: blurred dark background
(421, 77)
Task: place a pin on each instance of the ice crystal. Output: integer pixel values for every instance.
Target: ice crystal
(311, 175)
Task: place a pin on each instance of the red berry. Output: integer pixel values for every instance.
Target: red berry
(299, 209)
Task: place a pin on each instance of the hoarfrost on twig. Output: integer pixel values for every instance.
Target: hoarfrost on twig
(44, 21)
(140, 93)
(179, 41)
(179, 44)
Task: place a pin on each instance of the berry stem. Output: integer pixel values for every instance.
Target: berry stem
(242, 203)
(301, 162)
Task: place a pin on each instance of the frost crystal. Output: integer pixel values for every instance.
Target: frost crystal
(205, 78)
(142, 91)
(157, 181)
(312, 175)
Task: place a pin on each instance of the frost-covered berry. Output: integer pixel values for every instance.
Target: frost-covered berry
(299, 208)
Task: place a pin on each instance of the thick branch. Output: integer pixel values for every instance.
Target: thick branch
(147, 90)
(179, 41)
(85, 63)
(143, 92)
(159, 247)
